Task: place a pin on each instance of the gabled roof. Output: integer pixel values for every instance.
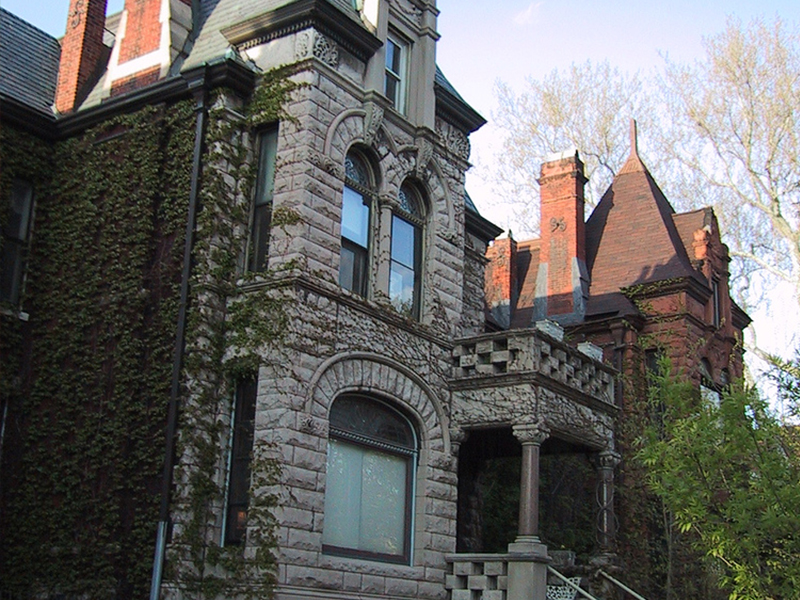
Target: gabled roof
(632, 238)
(28, 63)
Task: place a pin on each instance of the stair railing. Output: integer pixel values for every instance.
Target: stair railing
(621, 585)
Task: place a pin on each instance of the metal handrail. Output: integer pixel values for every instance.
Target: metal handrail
(570, 584)
(621, 585)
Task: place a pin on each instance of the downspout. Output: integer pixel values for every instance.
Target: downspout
(197, 86)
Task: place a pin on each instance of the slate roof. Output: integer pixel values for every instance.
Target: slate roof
(28, 63)
(632, 238)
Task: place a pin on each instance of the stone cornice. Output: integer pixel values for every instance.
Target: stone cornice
(319, 14)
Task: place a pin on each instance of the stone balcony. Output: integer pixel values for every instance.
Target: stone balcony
(533, 375)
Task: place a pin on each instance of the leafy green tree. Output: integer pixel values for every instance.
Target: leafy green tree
(729, 472)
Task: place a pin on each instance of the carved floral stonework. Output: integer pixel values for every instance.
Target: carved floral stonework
(454, 140)
(531, 433)
(310, 43)
(424, 156)
(326, 50)
(409, 10)
(302, 45)
(607, 459)
(326, 163)
(372, 122)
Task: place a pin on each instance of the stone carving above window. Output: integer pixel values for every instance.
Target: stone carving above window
(372, 123)
(326, 50)
(311, 43)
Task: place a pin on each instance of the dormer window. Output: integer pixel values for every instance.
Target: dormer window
(395, 82)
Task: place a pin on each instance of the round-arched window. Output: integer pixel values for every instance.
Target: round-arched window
(354, 258)
(406, 252)
(372, 451)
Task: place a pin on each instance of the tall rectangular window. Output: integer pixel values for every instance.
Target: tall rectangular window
(716, 316)
(262, 203)
(238, 492)
(395, 79)
(15, 241)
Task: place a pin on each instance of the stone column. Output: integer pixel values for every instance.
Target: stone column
(531, 436)
(605, 462)
(527, 563)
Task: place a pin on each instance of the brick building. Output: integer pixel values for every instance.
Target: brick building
(245, 344)
(639, 281)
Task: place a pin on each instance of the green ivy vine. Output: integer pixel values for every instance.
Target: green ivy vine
(87, 378)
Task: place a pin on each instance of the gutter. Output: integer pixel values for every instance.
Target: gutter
(198, 85)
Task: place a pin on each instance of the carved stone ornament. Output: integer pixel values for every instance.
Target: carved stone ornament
(326, 163)
(326, 50)
(424, 155)
(372, 122)
(455, 140)
(302, 45)
(557, 224)
(411, 11)
(76, 16)
(608, 459)
(531, 433)
(457, 437)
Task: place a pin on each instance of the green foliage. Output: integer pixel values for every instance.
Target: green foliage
(730, 475)
(90, 413)
(230, 332)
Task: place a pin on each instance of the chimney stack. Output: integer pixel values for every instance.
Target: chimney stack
(501, 279)
(562, 284)
(82, 51)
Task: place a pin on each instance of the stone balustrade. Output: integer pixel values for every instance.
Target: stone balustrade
(532, 351)
(476, 576)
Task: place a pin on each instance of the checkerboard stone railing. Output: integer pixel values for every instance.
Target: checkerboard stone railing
(531, 351)
(476, 577)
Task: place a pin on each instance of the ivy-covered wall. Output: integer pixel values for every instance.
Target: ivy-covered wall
(87, 377)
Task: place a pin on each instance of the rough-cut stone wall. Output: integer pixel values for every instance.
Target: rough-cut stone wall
(336, 346)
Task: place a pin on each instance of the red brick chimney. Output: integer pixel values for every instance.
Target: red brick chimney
(82, 51)
(501, 279)
(562, 262)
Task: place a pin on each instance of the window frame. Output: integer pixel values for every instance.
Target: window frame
(411, 457)
(263, 197)
(399, 76)
(14, 250)
(239, 474)
(362, 255)
(417, 222)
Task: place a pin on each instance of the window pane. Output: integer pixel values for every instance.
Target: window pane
(393, 56)
(375, 420)
(383, 504)
(365, 499)
(267, 151)
(343, 495)
(355, 217)
(403, 242)
(401, 288)
(19, 211)
(262, 211)
(353, 268)
(238, 492)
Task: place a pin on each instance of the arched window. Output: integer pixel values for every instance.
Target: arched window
(358, 189)
(372, 452)
(406, 252)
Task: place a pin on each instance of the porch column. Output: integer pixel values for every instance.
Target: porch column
(605, 462)
(527, 564)
(531, 436)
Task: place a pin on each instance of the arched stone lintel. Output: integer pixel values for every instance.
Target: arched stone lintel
(369, 372)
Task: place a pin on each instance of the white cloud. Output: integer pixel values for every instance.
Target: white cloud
(529, 15)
